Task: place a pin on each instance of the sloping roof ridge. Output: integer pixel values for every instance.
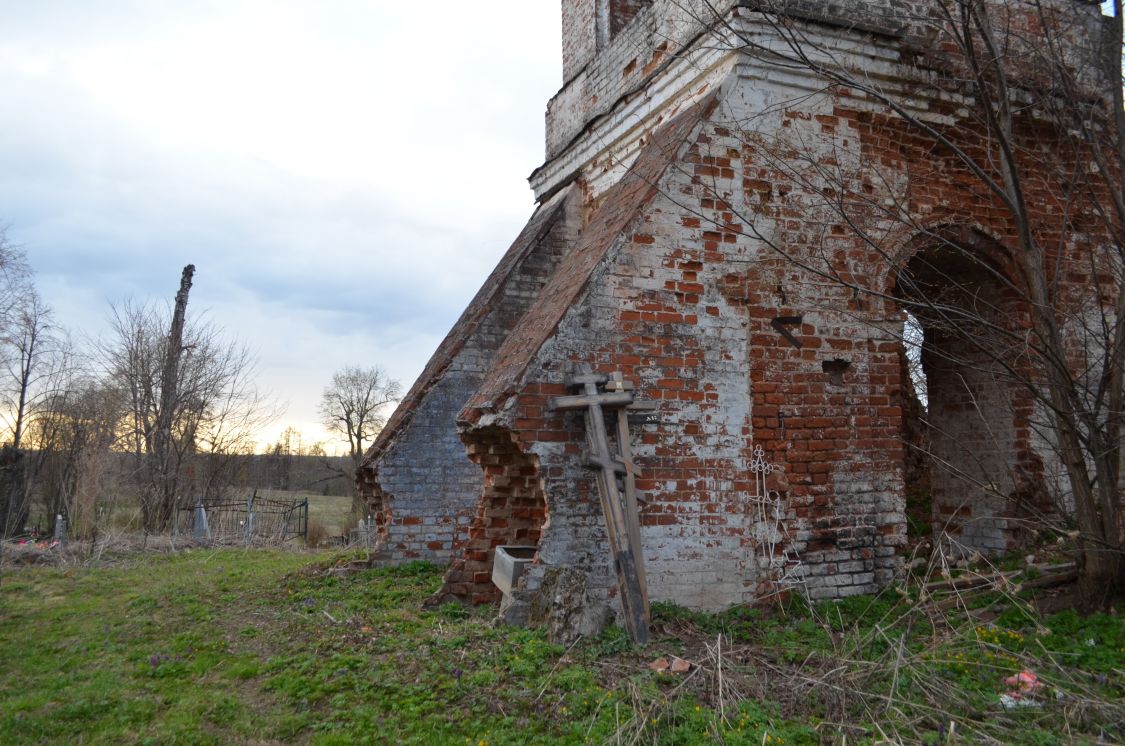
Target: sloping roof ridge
(620, 205)
(541, 222)
(867, 17)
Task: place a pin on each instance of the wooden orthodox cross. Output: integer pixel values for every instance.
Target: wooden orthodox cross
(616, 487)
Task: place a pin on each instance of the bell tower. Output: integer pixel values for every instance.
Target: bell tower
(588, 26)
(628, 67)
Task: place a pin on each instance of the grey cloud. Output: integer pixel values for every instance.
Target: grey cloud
(297, 249)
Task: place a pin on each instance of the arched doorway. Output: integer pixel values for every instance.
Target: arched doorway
(972, 434)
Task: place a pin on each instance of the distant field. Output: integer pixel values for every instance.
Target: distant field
(122, 515)
(334, 512)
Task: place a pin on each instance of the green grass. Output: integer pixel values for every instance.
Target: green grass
(253, 646)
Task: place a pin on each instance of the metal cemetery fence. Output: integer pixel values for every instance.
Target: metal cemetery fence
(254, 518)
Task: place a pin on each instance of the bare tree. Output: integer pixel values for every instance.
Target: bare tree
(36, 371)
(15, 280)
(211, 412)
(71, 439)
(1037, 134)
(27, 344)
(352, 405)
(35, 352)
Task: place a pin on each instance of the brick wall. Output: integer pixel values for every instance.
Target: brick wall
(422, 489)
(511, 510)
(579, 35)
(739, 232)
(597, 78)
(682, 306)
(622, 12)
(742, 275)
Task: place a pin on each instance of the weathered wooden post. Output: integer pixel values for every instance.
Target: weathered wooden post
(622, 523)
(250, 519)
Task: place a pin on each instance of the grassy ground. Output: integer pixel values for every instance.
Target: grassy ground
(258, 646)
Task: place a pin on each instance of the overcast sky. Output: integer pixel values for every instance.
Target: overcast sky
(343, 173)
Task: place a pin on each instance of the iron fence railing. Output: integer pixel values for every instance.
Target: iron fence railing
(258, 518)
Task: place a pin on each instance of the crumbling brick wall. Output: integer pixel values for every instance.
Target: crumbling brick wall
(682, 306)
(726, 247)
(589, 26)
(421, 488)
(579, 35)
(511, 510)
(727, 277)
(423, 491)
(647, 35)
(622, 12)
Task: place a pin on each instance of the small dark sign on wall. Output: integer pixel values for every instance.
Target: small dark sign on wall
(644, 418)
(781, 322)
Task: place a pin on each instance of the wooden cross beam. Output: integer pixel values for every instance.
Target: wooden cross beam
(615, 399)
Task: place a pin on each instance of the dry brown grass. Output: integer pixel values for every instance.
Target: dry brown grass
(317, 534)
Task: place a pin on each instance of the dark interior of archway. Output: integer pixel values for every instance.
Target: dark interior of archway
(963, 438)
(951, 288)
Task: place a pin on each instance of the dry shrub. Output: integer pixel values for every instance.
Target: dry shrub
(317, 533)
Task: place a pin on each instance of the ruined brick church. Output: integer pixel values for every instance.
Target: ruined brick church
(688, 247)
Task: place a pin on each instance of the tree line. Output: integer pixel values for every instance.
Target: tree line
(159, 413)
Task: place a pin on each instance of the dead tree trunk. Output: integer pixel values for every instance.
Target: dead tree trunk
(163, 448)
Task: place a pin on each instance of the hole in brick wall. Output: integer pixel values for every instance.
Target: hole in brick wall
(835, 370)
(912, 337)
(512, 511)
(376, 501)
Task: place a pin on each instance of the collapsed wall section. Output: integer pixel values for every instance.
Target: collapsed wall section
(421, 488)
(510, 510)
